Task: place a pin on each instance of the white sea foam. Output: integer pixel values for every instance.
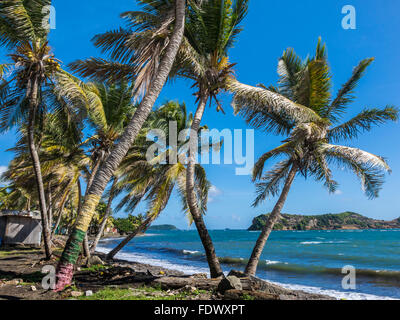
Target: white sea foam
(146, 259)
(190, 252)
(333, 293)
(322, 242)
(272, 262)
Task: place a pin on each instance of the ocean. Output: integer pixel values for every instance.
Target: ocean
(311, 261)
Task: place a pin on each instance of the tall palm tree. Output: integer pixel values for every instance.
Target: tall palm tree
(155, 182)
(107, 170)
(302, 108)
(203, 58)
(28, 79)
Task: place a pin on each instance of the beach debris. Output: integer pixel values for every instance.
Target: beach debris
(89, 293)
(200, 276)
(76, 294)
(189, 289)
(162, 273)
(33, 288)
(13, 282)
(229, 283)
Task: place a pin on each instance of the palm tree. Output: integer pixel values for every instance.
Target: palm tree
(29, 79)
(107, 170)
(203, 58)
(302, 108)
(155, 182)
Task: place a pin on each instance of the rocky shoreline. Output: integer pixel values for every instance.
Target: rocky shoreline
(235, 286)
(21, 277)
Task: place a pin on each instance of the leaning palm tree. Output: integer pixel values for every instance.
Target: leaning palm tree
(153, 181)
(107, 170)
(29, 78)
(203, 58)
(302, 108)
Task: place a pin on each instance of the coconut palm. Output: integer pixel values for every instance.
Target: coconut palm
(302, 107)
(62, 159)
(154, 182)
(107, 170)
(203, 58)
(29, 78)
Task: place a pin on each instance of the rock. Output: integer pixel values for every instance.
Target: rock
(95, 260)
(33, 288)
(251, 283)
(189, 289)
(76, 294)
(89, 293)
(229, 283)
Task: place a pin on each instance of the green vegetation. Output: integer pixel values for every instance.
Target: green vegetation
(129, 224)
(345, 220)
(143, 293)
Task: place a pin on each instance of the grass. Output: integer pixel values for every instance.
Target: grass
(95, 268)
(6, 253)
(143, 293)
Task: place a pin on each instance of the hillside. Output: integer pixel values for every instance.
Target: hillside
(345, 220)
(163, 227)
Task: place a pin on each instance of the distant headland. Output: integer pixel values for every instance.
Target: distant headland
(163, 227)
(340, 221)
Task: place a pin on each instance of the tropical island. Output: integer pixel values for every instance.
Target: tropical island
(341, 221)
(163, 227)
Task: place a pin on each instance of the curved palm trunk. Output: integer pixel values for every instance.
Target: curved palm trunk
(212, 259)
(105, 218)
(59, 216)
(33, 96)
(50, 206)
(251, 267)
(143, 227)
(71, 252)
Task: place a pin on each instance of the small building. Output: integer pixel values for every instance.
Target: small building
(20, 227)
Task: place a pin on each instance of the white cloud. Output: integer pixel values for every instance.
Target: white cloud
(213, 193)
(2, 169)
(338, 192)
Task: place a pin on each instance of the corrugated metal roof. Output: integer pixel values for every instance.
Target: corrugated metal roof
(27, 214)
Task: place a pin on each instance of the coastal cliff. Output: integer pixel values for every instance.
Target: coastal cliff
(341, 221)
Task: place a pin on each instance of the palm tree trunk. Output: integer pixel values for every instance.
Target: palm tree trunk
(50, 206)
(143, 227)
(33, 87)
(251, 267)
(105, 218)
(71, 251)
(212, 259)
(60, 213)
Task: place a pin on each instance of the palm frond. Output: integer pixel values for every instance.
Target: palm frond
(362, 122)
(272, 181)
(346, 94)
(356, 155)
(249, 100)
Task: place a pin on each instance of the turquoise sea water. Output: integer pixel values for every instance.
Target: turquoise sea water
(307, 260)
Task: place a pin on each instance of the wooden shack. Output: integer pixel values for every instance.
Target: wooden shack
(20, 227)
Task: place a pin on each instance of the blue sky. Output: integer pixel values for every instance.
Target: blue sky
(271, 27)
